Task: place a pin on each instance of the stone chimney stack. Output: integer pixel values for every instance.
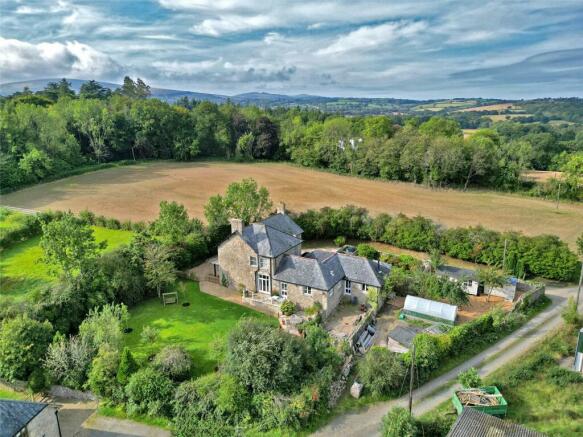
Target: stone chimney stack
(236, 225)
(281, 208)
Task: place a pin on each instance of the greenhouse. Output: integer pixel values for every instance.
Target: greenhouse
(430, 310)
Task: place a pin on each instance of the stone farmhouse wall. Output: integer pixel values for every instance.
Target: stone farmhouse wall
(44, 424)
(234, 256)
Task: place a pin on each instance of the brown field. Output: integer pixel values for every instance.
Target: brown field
(497, 107)
(504, 117)
(135, 192)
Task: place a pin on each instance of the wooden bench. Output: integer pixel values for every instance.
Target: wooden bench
(168, 298)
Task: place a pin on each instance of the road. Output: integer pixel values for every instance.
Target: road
(366, 422)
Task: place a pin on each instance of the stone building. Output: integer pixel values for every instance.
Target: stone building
(28, 419)
(267, 258)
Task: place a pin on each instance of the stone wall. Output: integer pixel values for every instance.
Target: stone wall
(295, 293)
(233, 257)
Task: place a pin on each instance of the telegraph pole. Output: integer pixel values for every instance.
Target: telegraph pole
(504, 257)
(411, 380)
(579, 288)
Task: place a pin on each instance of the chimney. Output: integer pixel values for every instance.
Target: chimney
(236, 225)
(281, 208)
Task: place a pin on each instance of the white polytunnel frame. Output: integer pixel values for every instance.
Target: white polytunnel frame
(430, 308)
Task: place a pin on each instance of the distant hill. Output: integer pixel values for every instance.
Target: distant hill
(467, 110)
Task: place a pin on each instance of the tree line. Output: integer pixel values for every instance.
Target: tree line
(55, 131)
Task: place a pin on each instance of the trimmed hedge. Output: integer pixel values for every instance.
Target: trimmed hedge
(544, 255)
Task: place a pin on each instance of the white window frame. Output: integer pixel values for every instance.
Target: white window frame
(253, 261)
(347, 287)
(263, 280)
(307, 290)
(283, 289)
(263, 262)
(365, 288)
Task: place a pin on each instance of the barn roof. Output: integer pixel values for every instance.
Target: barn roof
(475, 423)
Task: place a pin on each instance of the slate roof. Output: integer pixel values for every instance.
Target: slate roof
(267, 241)
(477, 424)
(457, 272)
(404, 334)
(322, 269)
(283, 223)
(15, 415)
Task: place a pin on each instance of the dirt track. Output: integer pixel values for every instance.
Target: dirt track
(134, 192)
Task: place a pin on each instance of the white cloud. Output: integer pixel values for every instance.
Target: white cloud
(20, 59)
(367, 37)
(233, 23)
(182, 69)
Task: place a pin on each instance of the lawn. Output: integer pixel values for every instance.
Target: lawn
(201, 328)
(23, 273)
(10, 220)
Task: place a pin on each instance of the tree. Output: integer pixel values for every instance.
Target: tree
(470, 378)
(381, 371)
(398, 423)
(23, 344)
(173, 223)
(441, 126)
(56, 90)
(104, 326)
(68, 361)
(134, 90)
(480, 150)
(491, 278)
(266, 138)
(244, 149)
(94, 121)
(158, 268)
(102, 376)
(367, 251)
(127, 366)
(68, 245)
(94, 90)
(435, 259)
(242, 200)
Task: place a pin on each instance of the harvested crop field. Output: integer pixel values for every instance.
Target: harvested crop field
(496, 107)
(135, 192)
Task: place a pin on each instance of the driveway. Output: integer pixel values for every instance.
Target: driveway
(366, 422)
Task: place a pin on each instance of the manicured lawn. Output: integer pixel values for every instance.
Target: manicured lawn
(11, 394)
(200, 328)
(23, 273)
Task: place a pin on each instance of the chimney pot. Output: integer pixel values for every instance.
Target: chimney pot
(236, 225)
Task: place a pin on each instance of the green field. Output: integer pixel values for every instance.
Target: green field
(23, 273)
(10, 220)
(200, 328)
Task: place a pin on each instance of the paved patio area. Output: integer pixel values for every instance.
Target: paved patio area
(344, 320)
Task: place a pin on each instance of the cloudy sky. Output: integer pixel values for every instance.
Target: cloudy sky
(405, 48)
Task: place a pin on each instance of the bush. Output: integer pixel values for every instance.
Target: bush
(367, 251)
(127, 366)
(340, 241)
(470, 378)
(174, 362)
(102, 376)
(149, 334)
(23, 344)
(68, 360)
(563, 377)
(149, 392)
(288, 307)
(381, 371)
(37, 380)
(398, 423)
(571, 315)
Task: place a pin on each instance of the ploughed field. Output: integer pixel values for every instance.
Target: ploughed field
(135, 192)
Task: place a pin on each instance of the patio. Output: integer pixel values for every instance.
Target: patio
(342, 323)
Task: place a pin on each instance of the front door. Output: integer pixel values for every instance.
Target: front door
(263, 284)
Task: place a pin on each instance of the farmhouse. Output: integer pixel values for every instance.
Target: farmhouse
(266, 259)
(472, 285)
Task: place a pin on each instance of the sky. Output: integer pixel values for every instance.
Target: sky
(404, 49)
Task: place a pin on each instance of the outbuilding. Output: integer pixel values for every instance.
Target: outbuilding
(430, 310)
(28, 419)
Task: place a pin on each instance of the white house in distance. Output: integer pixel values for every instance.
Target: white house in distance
(471, 284)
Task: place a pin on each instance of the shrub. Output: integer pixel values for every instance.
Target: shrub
(563, 377)
(102, 376)
(37, 380)
(398, 423)
(149, 334)
(340, 241)
(67, 361)
(174, 362)
(367, 251)
(23, 344)
(571, 315)
(470, 378)
(288, 307)
(127, 366)
(104, 326)
(315, 308)
(381, 371)
(149, 392)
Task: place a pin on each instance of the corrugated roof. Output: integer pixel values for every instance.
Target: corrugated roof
(15, 415)
(430, 308)
(404, 334)
(474, 423)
